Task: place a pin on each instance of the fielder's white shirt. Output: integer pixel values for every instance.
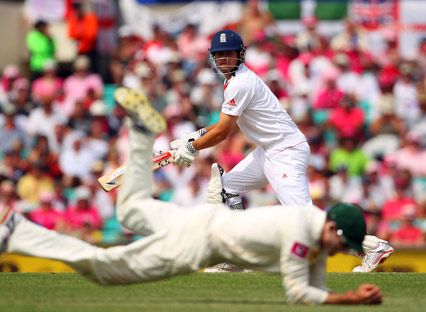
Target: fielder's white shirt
(261, 117)
(278, 239)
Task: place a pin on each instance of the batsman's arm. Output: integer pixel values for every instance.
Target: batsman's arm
(216, 133)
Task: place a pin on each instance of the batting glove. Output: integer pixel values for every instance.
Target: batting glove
(185, 154)
(188, 137)
(195, 135)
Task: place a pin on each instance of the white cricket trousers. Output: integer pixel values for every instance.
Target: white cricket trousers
(180, 242)
(284, 168)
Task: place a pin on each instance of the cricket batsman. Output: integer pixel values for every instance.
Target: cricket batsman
(282, 154)
(292, 240)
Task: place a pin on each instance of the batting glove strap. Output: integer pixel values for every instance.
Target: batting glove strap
(233, 201)
(201, 132)
(191, 148)
(196, 134)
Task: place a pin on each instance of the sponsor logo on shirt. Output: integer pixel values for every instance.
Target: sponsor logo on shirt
(299, 250)
(232, 102)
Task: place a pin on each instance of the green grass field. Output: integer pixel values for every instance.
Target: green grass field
(198, 292)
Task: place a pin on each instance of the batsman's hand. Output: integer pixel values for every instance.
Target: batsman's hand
(184, 154)
(174, 145)
(368, 294)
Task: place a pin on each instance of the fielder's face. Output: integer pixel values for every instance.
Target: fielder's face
(226, 61)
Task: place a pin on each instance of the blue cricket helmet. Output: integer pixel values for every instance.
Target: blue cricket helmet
(226, 40)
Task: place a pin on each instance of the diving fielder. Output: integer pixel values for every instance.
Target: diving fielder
(282, 153)
(292, 240)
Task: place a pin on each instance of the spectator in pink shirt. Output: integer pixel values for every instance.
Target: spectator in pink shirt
(329, 97)
(411, 156)
(284, 55)
(392, 213)
(348, 119)
(392, 208)
(49, 84)
(83, 214)
(408, 234)
(192, 45)
(79, 84)
(46, 215)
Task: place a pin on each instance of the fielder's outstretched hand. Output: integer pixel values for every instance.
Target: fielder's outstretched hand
(368, 294)
(364, 294)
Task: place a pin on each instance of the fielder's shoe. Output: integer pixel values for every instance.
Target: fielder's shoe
(223, 268)
(374, 257)
(140, 110)
(8, 221)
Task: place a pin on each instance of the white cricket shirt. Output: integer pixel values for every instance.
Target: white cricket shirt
(277, 239)
(261, 117)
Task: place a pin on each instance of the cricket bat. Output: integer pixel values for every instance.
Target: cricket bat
(114, 178)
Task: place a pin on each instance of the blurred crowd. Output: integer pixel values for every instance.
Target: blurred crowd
(364, 116)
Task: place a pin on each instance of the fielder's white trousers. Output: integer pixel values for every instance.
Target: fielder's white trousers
(170, 250)
(285, 169)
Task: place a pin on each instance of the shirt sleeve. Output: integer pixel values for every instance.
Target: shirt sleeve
(318, 272)
(296, 278)
(237, 96)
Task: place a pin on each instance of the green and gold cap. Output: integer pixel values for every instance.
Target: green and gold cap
(350, 223)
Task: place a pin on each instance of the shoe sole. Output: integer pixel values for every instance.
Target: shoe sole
(140, 109)
(224, 268)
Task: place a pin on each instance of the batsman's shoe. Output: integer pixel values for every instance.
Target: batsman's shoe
(8, 221)
(223, 268)
(374, 257)
(140, 110)
(215, 188)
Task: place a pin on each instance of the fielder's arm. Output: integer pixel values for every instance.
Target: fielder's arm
(295, 272)
(364, 294)
(304, 283)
